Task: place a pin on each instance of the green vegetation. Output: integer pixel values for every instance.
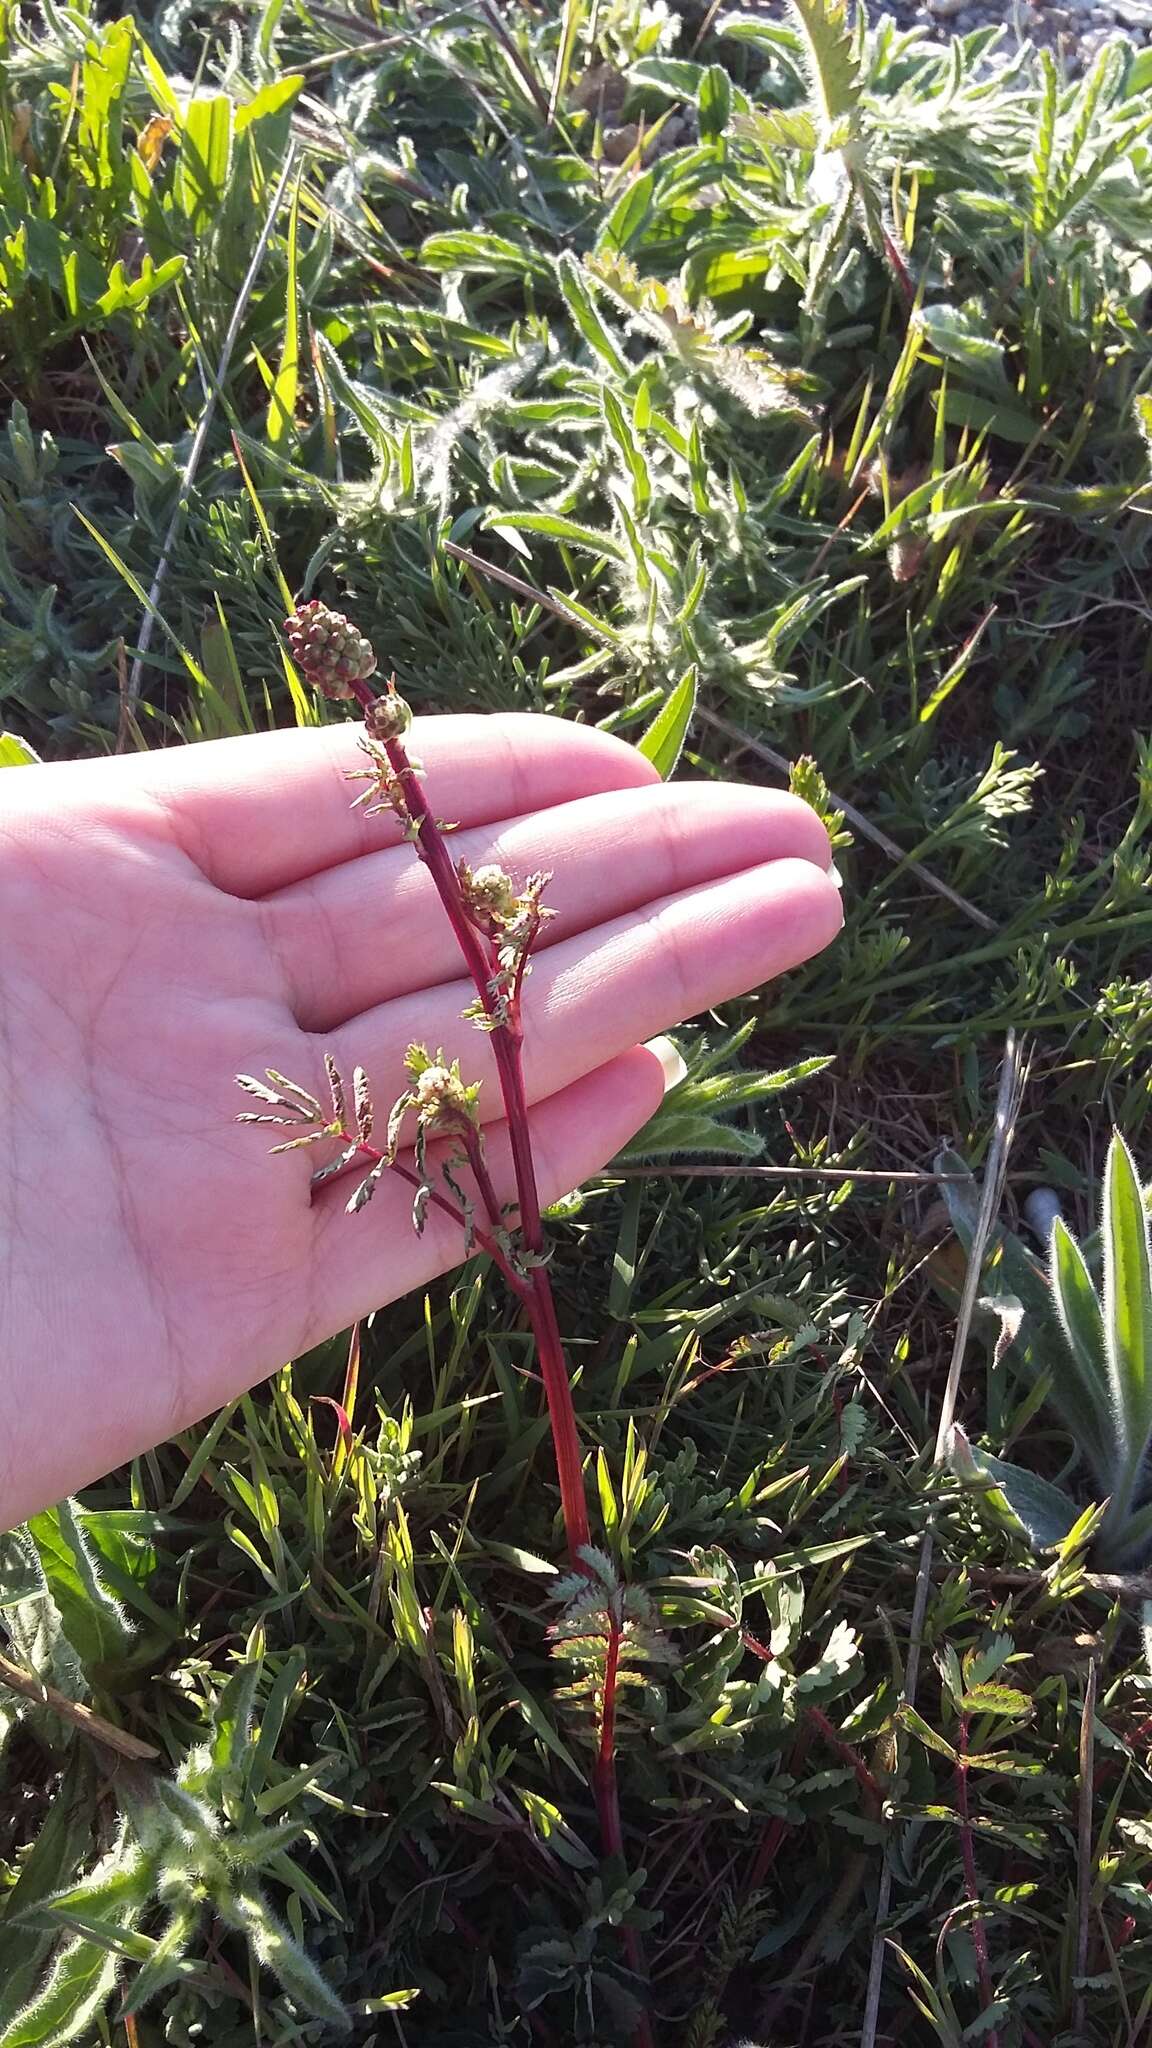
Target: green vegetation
(787, 387)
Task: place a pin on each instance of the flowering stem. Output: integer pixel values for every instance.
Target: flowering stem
(535, 1290)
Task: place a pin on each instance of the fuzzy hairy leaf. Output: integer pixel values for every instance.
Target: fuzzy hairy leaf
(1080, 1379)
(663, 741)
(1127, 1316)
(831, 63)
(1041, 1511)
(94, 1621)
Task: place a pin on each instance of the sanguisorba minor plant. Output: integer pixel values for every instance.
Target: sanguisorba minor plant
(496, 923)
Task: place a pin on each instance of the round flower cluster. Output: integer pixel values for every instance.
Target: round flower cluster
(328, 649)
(440, 1092)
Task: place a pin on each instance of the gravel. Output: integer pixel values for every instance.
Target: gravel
(1074, 30)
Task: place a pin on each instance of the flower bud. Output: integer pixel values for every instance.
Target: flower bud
(328, 649)
(488, 889)
(388, 716)
(439, 1091)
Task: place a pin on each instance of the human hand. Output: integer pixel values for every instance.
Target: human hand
(171, 919)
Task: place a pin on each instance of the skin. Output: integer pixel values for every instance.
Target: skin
(172, 919)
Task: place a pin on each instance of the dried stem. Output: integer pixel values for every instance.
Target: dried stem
(32, 1688)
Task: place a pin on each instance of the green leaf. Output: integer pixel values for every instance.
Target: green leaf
(989, 1698)
(675, 76)
(232, 1715)
(72, 1994)
(246, 1908)
(663, 742)
(205, 160)
(163, 1965)
(487, 255)
(714, 103)
(103, 83)
(631, 213)
(271, 99)
(1041, 1511)
(141, 595)
(836, 1666)
(570, 24)
(16, 753)
(919, 1727)
(58, 1851)
(985, 415)
(959, 336)
(94, 1622)
(830, 59)
(557, 526)
(1080, 1377)
(586, 314)
(1127, 1316)
(285, 389)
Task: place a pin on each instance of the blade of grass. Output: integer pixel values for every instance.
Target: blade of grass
(207, 413)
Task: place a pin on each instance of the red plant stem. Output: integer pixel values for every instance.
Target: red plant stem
(968, 1853)
(847, 1755)
(486, 1244)
(473, 1145)
(607, 1803)
(534, 1288)
(536, 1294)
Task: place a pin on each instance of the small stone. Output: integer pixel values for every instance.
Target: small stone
(1133, 13)
(1092, 43)
(945, 9)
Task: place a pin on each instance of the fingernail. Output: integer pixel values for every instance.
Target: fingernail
(670, 1059)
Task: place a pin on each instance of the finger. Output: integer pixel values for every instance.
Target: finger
(363, 1261)
(263, 811)
(590, 997)
(373, 929)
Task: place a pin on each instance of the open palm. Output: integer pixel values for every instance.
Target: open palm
(171, 919)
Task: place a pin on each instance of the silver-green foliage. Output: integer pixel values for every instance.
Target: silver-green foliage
(1101, 1382)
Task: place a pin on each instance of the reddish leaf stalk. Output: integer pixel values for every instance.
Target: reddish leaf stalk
(373, 1157)
(847, 1755)
(607, 1795)
(968, 1854)
(483, 966)
(607, 1803)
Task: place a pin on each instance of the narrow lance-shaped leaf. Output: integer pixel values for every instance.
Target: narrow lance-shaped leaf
(285, 388)
(833, 72)
(663, 742)
(1127, 1318)
(1080, 1377)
